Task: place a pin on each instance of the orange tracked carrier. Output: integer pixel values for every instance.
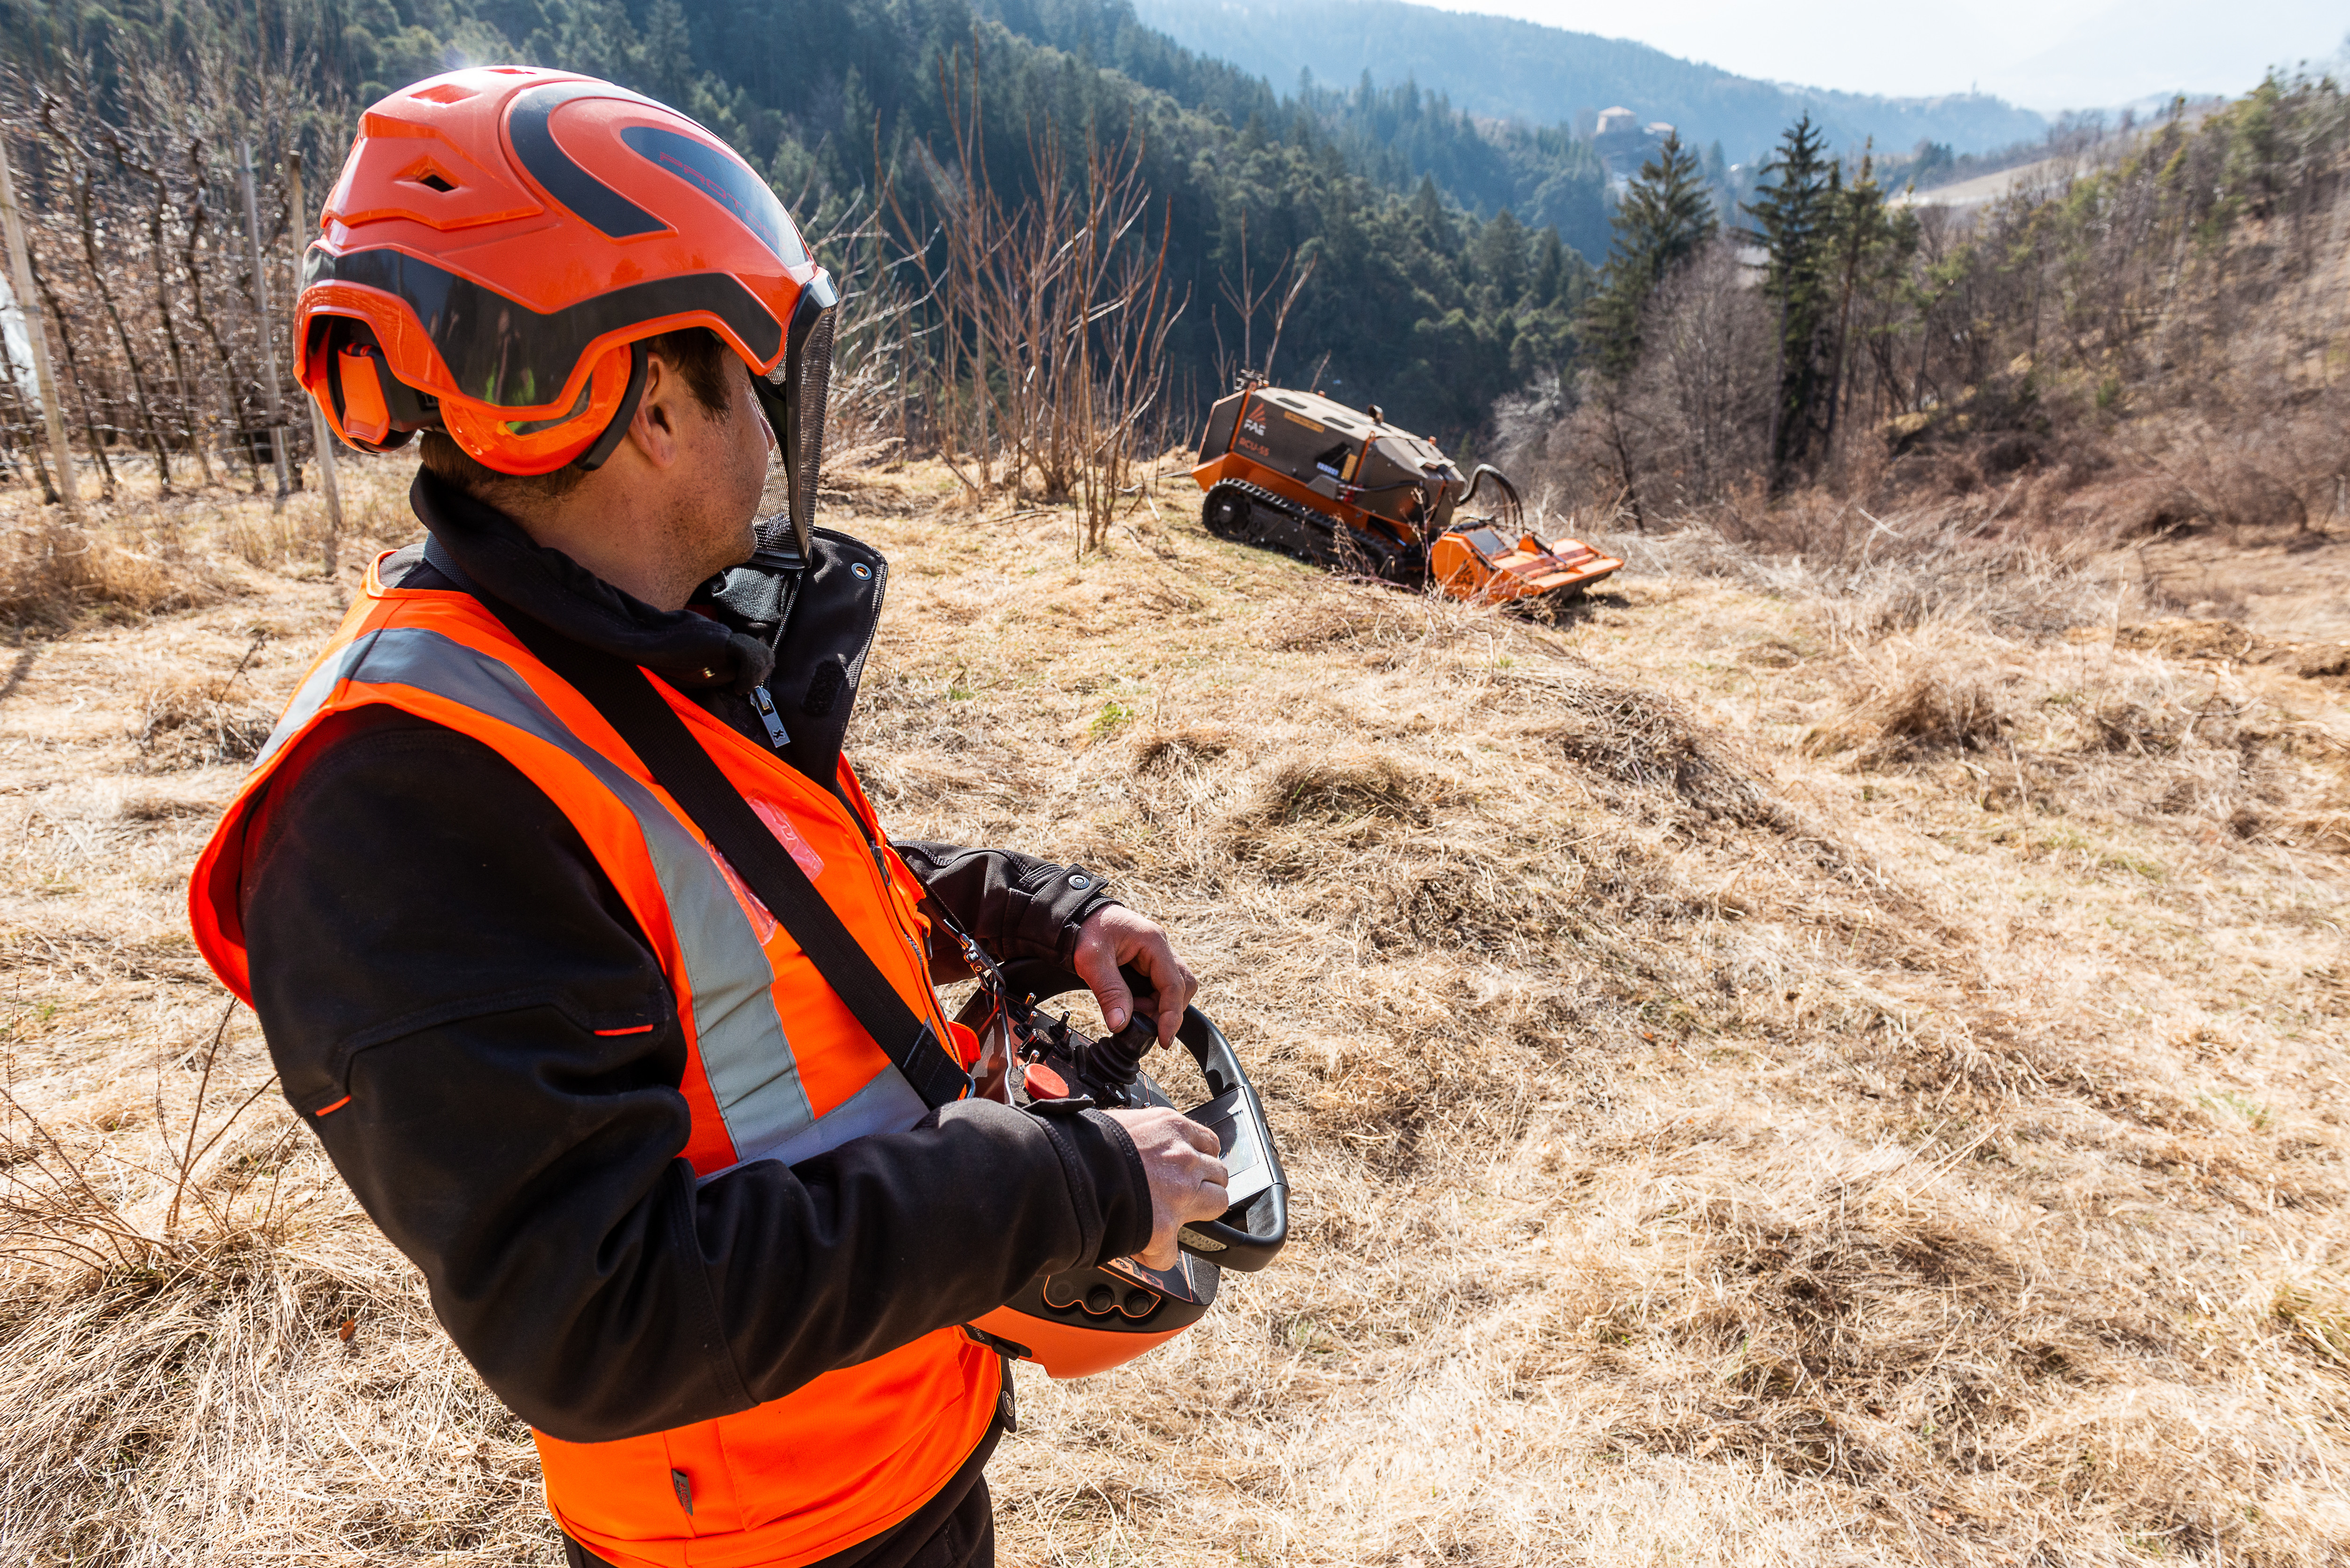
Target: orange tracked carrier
(1343, 488)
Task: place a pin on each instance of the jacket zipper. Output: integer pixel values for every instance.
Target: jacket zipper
(889, 889)
(764, 706)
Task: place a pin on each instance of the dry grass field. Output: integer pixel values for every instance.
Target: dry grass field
(1775, 1068)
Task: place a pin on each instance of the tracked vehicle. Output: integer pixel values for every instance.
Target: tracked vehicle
(1342, 488)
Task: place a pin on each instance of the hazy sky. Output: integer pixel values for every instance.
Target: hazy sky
(2042, 53)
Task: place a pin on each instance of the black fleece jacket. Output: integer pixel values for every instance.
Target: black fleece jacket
(431, 936)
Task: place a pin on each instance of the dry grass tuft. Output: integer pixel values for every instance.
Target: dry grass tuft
(2227, 642)
(277, 537)
(1193, 746)
(50, 572)
(148, 554)
(1628, 736)
(391, 1459)
(185, 724)
(1330, 790)
(2084, 728)
(1794, 1061)
(1934, 710)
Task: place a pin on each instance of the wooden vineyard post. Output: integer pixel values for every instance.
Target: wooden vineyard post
(322, 439)
(36, 329)
(276, 404)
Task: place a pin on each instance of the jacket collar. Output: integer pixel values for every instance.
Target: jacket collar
(495, 558)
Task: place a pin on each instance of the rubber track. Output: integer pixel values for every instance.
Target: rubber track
(1372, 558)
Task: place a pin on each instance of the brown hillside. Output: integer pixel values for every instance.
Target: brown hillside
(1771, 1072)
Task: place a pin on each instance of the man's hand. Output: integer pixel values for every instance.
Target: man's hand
(1114, 935)
(1187, 1179)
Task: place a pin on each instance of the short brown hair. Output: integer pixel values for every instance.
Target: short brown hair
(697, 354)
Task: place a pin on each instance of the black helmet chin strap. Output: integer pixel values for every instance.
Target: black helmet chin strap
(606, 444)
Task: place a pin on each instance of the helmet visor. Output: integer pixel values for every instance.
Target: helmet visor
(794, 396)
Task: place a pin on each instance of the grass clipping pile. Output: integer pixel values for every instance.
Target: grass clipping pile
(1754, 1091)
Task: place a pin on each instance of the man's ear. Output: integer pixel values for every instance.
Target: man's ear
(653, 431)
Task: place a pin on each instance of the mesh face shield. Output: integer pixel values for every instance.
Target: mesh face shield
(793, 395)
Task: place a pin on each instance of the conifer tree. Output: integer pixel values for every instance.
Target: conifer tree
(1428, 205)
(1500, 254)
(1869, 248)
(1795, 211)
(667, 53)
(1550, 269)
(1665, 215)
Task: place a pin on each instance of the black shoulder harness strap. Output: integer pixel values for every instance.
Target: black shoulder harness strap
(624, 694)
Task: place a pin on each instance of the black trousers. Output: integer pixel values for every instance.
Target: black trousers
(956, 1528)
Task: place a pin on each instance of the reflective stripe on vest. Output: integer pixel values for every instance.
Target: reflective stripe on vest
(776, 1068)
(736, 1028)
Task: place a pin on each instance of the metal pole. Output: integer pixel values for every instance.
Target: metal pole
(322, 439)
(268, 342)
(28, 301)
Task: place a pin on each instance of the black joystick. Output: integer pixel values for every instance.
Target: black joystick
(1113, 1063)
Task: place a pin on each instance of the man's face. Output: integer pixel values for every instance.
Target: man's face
(721, 470)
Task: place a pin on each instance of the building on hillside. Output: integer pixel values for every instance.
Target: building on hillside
(1623, 144)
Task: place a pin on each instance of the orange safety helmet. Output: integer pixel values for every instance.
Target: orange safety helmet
(502, 241)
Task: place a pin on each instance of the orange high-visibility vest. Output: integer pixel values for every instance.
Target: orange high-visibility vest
(776, 1068)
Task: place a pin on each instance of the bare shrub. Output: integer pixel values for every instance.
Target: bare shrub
(82, 1208)
(1691, 421)
(126, 198)
(878, 361)
(1050, 356)
(1682, 430)
(1708, 327)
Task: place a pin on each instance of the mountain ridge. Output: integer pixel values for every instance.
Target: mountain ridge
(1507, 67)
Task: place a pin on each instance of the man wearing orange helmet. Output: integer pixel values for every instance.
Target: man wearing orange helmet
(573, 936)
